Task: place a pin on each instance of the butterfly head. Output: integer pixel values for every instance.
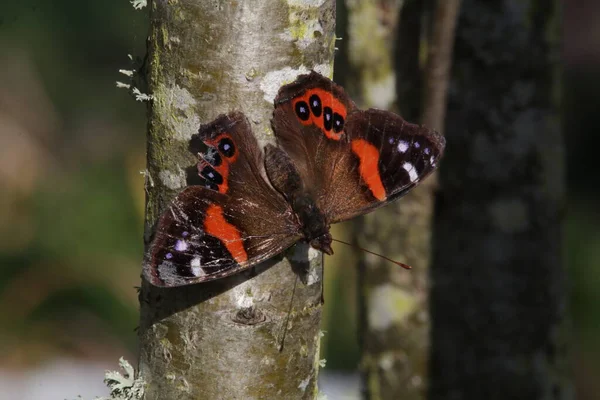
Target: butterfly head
(322, 243)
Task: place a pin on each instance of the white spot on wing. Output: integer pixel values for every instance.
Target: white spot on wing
(196, 267)
(402, 146)
(412, 173)
(181, 245)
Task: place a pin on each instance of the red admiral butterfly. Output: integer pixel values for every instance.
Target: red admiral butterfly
(332, 162)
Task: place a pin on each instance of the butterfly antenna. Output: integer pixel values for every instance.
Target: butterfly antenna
(375, 254)
(287, 318)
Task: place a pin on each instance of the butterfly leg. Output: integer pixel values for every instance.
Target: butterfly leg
(322, 284)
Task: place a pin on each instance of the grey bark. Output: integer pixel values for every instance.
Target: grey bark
(220, 340)
(499, 294)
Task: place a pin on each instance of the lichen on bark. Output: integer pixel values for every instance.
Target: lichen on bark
(221, 339)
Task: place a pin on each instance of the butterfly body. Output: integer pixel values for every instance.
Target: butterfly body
(331, 163)
(286, 179)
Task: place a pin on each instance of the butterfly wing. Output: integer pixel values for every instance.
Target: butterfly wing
(353, 161)
(391, 156)
(234, 220)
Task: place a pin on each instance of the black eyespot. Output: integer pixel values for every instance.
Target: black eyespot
(210, 185)
(338, 123)
(211, 175)
(226, 147)
(315, 105)
(327, 118)
(302, 110)
(213, 157)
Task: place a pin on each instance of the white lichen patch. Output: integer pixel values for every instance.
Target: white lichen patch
(274, 80)
(313, 276)
(303, 31)
(127, 72)
(123, 386)
(382, 92)
(172, 180)
(324, 69)
(388, 305)
(509, 215)
(242, 297)
(304, 383)
(267, 361)
(178, 111)
(181, 98)
(302, 252)
(313, 253)
(139, 96)
(386, 361)
(306, 3)
(139, 4)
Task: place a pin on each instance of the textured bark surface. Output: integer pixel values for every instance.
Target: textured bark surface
(220, 340)
(393, 322)
(498, 295)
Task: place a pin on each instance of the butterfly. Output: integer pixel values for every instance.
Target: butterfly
(332, 162)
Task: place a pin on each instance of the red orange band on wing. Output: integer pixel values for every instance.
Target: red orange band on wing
(216, 226)
(327, 100)
(368, 167)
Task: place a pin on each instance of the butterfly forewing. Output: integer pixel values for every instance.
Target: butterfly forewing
(352, 160)
(234, 220)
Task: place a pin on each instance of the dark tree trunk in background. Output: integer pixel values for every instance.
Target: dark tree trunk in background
(220, 340)
(499, 293)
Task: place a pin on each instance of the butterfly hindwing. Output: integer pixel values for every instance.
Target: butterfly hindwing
(393, 157)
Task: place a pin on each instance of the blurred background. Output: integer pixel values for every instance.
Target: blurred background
(72, 148)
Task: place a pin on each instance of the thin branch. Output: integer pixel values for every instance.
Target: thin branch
(439, 60)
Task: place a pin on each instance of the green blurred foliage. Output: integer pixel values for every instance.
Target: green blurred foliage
(71, 213)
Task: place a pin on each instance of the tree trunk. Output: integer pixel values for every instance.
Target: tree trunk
(220, 340)
(499, 296)
(393, 323)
